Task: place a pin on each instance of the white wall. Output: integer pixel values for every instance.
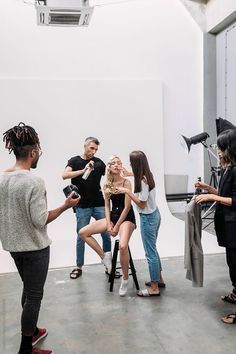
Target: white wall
(137, 40)
(93, 102)
(102, 108)
(217, 11)
(143, 39)
(226, 75)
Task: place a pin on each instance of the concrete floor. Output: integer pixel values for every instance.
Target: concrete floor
(82, 316)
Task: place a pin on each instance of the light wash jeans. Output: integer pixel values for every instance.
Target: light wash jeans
(83, 216)
(149, 225)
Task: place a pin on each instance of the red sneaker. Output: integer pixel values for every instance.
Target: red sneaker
(41, 334)
(41, 351)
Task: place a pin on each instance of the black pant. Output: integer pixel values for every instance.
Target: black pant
(231, 261)
(33, 268)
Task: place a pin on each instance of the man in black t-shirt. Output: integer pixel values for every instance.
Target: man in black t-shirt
(91, 203)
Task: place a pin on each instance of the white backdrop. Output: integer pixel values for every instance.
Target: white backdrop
(226, 74)
(53, 78)
(142, 39)
(124, 114)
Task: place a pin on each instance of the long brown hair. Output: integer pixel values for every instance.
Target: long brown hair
(141, 170)
(226, 142)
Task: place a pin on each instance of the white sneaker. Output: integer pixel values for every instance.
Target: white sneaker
(123, 287)
(107, 261)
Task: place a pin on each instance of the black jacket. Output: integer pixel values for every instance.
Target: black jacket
(225, 216)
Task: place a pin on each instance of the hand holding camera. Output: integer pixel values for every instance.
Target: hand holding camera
(72, 194)
(71, 188)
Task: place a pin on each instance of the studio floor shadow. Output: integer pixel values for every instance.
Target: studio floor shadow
(83, 317)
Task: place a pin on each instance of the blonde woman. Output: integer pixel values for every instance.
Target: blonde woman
(119, 219)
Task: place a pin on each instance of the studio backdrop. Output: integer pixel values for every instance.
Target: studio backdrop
(124, 114)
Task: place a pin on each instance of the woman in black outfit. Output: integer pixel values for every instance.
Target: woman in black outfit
(225, 213)
(119, 219)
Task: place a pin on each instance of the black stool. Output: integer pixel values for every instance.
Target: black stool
(114, 267)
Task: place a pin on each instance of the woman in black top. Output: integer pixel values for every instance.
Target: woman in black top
(225, 213)
(119, 219)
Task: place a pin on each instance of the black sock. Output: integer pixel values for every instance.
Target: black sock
(26, 345)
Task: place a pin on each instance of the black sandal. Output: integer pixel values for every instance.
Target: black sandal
(75, 273)
(231, 298)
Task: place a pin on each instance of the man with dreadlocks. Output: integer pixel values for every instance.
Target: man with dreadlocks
(23, 228)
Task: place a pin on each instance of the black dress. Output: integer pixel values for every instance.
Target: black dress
(118, 205)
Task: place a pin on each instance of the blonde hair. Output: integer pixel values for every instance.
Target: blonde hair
(108, 184)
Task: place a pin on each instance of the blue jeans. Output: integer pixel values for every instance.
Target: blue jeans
(149, 225)
(83, 216)
(33, 268)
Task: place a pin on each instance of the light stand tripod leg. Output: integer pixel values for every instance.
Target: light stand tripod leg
(207, 224)
(208, 210)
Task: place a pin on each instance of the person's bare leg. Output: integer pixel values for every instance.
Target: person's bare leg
(94, 228)
(124, 261)
(154, 288)
(125, 233)
(161, 282)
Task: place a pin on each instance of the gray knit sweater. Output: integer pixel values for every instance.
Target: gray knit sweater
(23, 212)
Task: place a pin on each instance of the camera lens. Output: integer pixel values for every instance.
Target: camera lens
(75, 195)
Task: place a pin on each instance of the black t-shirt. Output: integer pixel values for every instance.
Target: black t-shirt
(89, 189)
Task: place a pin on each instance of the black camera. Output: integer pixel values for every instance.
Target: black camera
(69, 189)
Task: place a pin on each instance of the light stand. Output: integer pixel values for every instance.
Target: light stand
(201, 138)
(215, 171)
(214, 181)
(221, 125)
